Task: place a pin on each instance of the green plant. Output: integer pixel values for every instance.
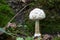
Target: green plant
(6, 13)
(18, 38)
(29, 38)
(56, 38)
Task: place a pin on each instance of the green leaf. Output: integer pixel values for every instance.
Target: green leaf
(2, 30)
(29, 38)
(18, 38)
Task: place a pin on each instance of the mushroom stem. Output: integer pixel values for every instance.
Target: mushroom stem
(37, 27)
(37, 34)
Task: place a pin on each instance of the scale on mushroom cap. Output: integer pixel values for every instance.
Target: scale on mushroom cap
(36, 15)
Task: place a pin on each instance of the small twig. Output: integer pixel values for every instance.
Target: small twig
(18, 12)
(16, 15)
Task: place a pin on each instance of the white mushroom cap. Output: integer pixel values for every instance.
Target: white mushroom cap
(37, 14)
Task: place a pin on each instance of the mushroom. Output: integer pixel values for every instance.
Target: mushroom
(36, 15)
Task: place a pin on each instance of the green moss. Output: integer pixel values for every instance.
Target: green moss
(6, 13)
